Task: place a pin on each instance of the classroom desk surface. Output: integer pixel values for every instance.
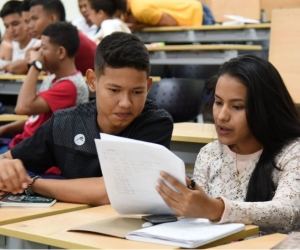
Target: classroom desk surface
(11, 117)
(55, 233)
(194, 132)
(188, 138)
(206, 33)
(17, 214)
(204, 47)
(263, 242)
(211, 54)
(208, 27)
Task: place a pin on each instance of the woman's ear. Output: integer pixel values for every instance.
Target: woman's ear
(91, 80)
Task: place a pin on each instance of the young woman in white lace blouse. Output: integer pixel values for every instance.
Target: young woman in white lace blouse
(251, 174)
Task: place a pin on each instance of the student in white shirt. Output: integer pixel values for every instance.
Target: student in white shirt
(251, 174)
(102, 14)
(83, 23)
(17, 30)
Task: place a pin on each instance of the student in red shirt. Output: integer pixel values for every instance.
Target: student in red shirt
(64, 88)
(42, 13)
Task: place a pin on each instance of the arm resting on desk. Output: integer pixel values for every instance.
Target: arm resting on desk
(18, 67)
(12, 128)
(90, 191)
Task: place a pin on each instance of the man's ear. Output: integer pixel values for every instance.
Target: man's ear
(62, 52)
(149, 84)
(54, 18)
(91, 80)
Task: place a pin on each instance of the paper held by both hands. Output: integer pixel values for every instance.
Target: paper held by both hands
(131, 169)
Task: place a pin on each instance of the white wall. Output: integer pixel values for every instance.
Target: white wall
(71, 7)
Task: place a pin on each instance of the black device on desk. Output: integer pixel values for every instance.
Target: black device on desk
(159, 218)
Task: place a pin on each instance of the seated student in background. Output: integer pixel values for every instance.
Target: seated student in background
(140, 14)
(5, 50)
(16, 29)
(65, 88)
(43, 13)
(121, 82)
(251, 173)
(84, 23)
(102, 14)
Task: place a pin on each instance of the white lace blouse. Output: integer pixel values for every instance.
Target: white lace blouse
(216, 171)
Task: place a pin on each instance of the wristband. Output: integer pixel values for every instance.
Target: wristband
(28, 190)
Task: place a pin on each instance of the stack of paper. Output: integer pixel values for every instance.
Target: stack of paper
(186, 232)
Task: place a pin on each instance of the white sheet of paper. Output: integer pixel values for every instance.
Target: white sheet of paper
(186, 232)
(241, 19)
(131, 170)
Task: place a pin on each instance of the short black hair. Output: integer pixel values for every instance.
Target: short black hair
(64, 34)
(11, 7)
(121, 50)
(108, 6)
(26, 5)
(51, 6)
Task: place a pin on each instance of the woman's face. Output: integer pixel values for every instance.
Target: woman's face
(229, 111)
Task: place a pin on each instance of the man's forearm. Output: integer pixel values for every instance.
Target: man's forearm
(89, 191)
(27, 94)
(12, 128)
(18, 67)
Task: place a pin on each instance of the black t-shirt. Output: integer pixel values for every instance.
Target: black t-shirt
(67, 139)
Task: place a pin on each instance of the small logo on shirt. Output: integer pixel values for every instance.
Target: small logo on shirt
(79, 139)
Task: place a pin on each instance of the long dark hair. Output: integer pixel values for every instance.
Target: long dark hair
(271, 115)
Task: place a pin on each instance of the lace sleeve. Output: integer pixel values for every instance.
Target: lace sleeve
(282, 213)
(201, 171)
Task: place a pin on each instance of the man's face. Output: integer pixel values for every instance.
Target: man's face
(39, 20)
(83, 8)
(15, 27)
(26, 19)
(120, 96)
(50, 53)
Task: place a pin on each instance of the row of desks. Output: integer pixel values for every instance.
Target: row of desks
(206, 33)
(53, 230)
(46, 231)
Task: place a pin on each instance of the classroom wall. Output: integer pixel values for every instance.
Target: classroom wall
(71, 7)
(269, 5)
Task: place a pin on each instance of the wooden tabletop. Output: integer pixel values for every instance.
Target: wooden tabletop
(204, 47)
(194, 132)
(17, 214)
(263, 242)
(53, 231)
(19, 77)
(208, 27)
(12, 117)
(42, 77)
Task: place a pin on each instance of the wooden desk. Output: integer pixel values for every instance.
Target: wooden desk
(206, 33)
(284, 48)
(188, 138)
(53, 231)
(11, 118)
(17, 214)
(11, 84)
(196, 54)
(264, 242)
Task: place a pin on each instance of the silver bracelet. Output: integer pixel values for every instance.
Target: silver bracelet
(28, 190)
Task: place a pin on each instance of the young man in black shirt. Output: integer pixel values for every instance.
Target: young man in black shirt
(121, 82)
